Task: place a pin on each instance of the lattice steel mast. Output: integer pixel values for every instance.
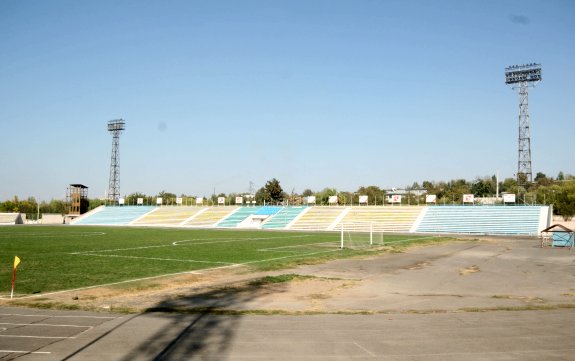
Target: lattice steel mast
(520, 78)
(115, 127)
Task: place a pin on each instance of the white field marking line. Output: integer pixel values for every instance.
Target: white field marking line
(87, 328)
(117, 250)
(148, 247)
(94, 254)
(44, 324)
(210, 241)
(226, 240)
(74, 234)
(295, 246)
(52, 316)
(199, 272)
(42, 337)
(109, 284)
(364, 349)
(154, 258)
(121, 249)
(28, 352)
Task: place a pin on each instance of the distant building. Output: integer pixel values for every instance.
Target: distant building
(402, 192)
(395, 195)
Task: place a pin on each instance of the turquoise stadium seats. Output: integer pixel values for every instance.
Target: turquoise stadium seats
(481, 220)
(116, 215)
(237, 217)
(283, 217)
(268, 211)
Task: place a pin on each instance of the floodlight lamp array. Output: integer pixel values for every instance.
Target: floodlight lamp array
(116, 125)
(523, 73)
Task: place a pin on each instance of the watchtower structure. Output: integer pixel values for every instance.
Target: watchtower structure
(77, 199)
(520, 78)
(115, 127)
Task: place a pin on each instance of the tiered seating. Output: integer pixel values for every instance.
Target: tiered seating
(116, 215)
(382, 219)
(482, 219)
(168, 216)
(268, 210)
(237, 217)
(318, 218)
(209, 217)
(282, 218)
(525, 220)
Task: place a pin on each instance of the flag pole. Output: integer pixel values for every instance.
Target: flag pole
(16, 263)
(13, 281)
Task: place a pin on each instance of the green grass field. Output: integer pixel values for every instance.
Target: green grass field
(66, 257)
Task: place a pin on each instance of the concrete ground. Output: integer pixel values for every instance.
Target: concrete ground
(503, 299)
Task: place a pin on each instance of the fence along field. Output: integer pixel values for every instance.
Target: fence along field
(61, 258)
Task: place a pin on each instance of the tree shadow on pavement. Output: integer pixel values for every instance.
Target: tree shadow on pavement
(197, 326)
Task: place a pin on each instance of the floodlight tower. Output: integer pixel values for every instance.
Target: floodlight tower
(115, 127)
(520, 78)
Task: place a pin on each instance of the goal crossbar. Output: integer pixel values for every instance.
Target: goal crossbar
(359, 235)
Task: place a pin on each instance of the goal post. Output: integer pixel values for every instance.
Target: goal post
(360, 235)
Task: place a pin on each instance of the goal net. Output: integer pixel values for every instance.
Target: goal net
(358, 235)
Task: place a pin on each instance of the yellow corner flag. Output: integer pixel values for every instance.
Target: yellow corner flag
(16, 263)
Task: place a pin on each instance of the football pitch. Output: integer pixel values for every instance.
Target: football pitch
(55, 258)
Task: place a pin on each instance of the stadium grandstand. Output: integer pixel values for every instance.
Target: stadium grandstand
(496, 220)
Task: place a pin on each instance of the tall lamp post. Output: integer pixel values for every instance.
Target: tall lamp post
(115, 127)
(520, 78)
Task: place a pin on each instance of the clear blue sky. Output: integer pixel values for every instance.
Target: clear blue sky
(317, 94)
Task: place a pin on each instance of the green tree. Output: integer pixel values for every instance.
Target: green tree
(132, 199)
(429, 186)
(565, 200)
(167, 197)
(261, 196)
(483, 187)
(373, 193)
(307, 192)
(58, 206)
(509, 185)
(11, 206)
(323, 196)
(94, 203)
(344, 198)
(271, 192)
(542, 180)
(456, 189)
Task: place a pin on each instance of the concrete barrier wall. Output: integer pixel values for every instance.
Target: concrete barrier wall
(51, 218)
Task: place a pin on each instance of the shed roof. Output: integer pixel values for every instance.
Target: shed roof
(562, 228)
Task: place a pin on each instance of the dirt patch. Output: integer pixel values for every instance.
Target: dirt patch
(418, 266)
(468, 270)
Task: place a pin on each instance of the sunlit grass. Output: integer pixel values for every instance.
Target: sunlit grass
(67, 257)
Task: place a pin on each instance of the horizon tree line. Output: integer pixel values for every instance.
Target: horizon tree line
(559, 191)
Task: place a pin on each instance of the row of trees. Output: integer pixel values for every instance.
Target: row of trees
(32, 208)
(558, 191)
